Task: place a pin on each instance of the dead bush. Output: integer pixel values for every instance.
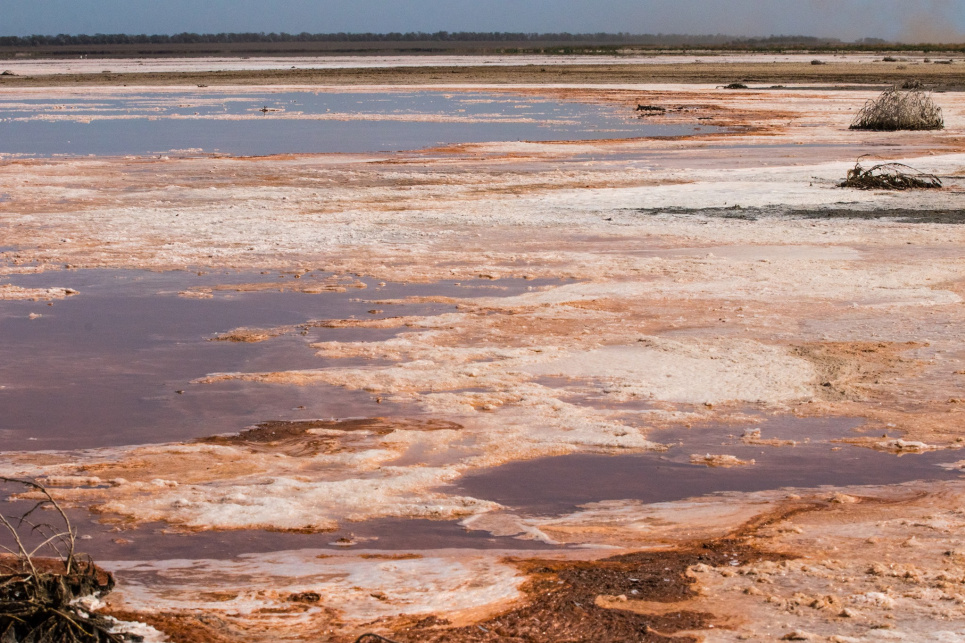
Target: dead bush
(889, 176)
(896, 109)
(42, 580)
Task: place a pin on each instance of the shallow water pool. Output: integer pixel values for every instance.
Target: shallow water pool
(261, 122)
(113, 364)
(559, 485)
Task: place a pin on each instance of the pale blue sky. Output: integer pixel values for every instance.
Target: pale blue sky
(913, 20)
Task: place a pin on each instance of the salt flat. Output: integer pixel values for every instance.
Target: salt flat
(720, 280)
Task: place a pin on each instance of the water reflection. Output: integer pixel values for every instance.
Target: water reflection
(261, 123)
(113, 365)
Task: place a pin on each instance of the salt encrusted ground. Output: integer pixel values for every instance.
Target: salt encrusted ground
(707, 277)
(44, 67)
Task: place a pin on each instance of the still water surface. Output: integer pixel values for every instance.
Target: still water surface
(113, 364)
(260, 123)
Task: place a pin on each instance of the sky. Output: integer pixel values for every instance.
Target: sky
(906, 20)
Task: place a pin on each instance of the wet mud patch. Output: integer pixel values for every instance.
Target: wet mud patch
(641, 596)
(909, 216)
(942, 216)
(849, 370)
(307, 438)
(566, 604)
(786, 453)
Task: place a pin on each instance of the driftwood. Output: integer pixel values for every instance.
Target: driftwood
(42, 578)
(896, 109)
(889, 176)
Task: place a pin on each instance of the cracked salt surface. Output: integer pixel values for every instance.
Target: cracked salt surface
(362, 587)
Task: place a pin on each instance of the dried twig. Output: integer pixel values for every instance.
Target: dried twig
(37, 605)
(889, 176)
(373, 638)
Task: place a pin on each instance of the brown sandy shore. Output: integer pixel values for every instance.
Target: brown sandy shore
(713, 280)
(951, 76)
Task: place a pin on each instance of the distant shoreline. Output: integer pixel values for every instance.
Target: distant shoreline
(190, 45)
(759, 75)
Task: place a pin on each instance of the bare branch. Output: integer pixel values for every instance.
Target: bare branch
(41, 605)
(21, 549)
(69, 538)
(889, 176)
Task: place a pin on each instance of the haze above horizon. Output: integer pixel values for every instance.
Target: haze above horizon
(901, 20)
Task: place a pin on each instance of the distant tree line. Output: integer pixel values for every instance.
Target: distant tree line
(655, 40)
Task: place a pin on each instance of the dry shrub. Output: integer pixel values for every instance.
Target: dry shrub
(889, 176)
(900, 110)
(42, 578)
